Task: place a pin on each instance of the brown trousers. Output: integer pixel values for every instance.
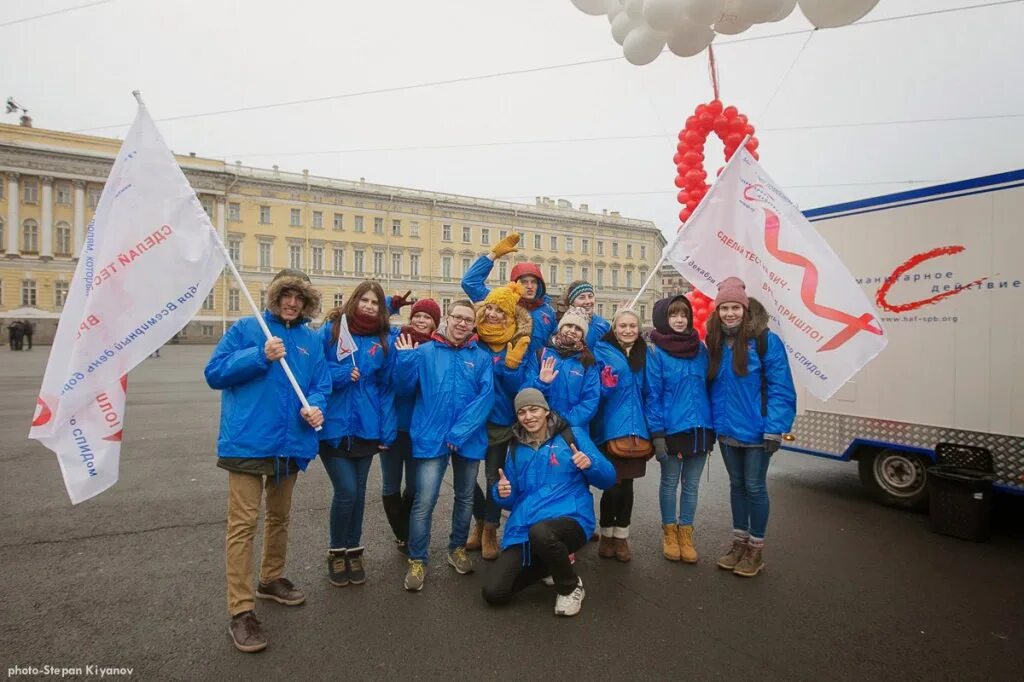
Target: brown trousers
(245, 492)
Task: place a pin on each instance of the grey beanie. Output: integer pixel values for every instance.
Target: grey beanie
(529, 397)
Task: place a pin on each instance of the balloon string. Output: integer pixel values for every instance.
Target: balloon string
(713, 69)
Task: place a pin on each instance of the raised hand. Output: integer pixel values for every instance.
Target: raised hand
(405, 342)
(273, 349)
(547, 370)
(504, 485)
(399, 302)
(506, 245)
(355, 374)
(608, 378)
(581, 461)
(514, 353)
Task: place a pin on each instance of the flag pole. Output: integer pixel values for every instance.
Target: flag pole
(679, 233)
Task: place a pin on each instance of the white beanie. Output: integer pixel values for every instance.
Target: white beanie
(578, 317)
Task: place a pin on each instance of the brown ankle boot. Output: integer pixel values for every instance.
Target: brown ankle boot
(475, 536)
(622, 552)
(751, 563)
(670, 541)
(489, 542)
(606, 547)
(687, 552)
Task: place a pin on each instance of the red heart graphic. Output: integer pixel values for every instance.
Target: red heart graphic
(731, 127)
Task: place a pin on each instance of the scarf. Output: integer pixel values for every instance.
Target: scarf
(637, 357)
(417, 337)
(495, 335)
(565, 346)
(361, 324)
(679, 345)
(531, 304)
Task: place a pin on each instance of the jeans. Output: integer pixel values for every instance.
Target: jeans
(393, 461)
(550, 544)
(617, 505)
(348, 476)
(748, 489)
(429, 473)
(672, 469)
(484, 506)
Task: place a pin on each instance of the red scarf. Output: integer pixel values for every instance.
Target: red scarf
(531, 304)
(417, 337)
(361, 324)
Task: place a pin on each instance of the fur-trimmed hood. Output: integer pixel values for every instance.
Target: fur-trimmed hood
(757, 318)
(303, 286)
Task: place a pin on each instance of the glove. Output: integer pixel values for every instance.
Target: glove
(608, 378)
(399, 302)
(660, 447)
(771, 445)
(514, 354)
(506, 245)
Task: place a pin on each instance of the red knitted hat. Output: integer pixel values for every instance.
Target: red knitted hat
(732, 290)
(428, 306)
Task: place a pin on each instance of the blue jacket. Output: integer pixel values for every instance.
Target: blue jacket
(259, 411)
(404, 399)
(547, 485)
(454, 394)
(544, 322)
(736, 401)
(364, 408)
(621, 410)
(507, 382)
(576, 391)
(677, 392)
(598, 328)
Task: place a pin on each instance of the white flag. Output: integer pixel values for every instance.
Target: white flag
(149, 259)
(747, 228)
(346, 344)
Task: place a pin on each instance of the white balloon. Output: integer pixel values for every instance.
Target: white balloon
(643, 45)
(688, 39)
(761, 11)
(635, 9)
(661, 15)
(615, 8)
(704, 12)
(594, 8)
(730, 25)
(622, 26)
(786, 8)
(833, 13)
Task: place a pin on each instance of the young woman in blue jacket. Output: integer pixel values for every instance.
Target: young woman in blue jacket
(580, 294)
(566, 372)
(754, 403)
(360, 420)
(679, 418)
(622, 355)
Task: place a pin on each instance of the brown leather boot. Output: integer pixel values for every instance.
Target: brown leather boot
(606, 547)
(489, 542)
(733, 556)
(751, 563)
(622, 552)
(687, 552)
(670, 541)
(475, 536)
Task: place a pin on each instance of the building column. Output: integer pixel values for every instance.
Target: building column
(220, 212)
(46, 224)
(13, 226)
(79, 217)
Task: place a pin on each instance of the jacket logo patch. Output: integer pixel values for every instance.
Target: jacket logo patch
(552, 460)
(576, 372)
(467, 363)
(495, 359)
(302, 350)
(373, 349)
(547, 320)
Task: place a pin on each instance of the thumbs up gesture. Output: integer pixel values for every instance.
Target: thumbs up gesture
(581, 461)
(504, 486)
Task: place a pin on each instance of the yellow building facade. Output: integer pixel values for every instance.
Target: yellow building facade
(338, 231)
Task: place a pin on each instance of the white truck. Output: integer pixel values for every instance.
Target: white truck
(944, 265)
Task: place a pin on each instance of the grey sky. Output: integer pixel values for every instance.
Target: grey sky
(76, 71)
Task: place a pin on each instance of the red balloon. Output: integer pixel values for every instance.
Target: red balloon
(684, 214)
(720, 125)
(682, 148)
(677, 159)
(717, 173)
(693, 138)
(742, 117)
(733, 140)
(683, 196)
(701, 108)
(737, 126)
(748, 129)
(691, 205)
(715, 107)
(692, 158)
(755, 155)
(752, 144)
(730, 112)
(706, 121)
(681, 134)
(680, 181)
(692, 123)
(693, 175)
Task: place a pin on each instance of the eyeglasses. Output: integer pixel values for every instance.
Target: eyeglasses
(465, 321)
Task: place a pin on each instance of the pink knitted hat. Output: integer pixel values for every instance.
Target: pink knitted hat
(732, 290)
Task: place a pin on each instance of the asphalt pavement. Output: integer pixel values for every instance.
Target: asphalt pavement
(134, 578)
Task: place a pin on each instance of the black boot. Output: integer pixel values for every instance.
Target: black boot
(337, 570)
(398, 521)
(354, 565)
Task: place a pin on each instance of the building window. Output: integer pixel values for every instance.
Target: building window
(446, 303)
(396, 228)
(615, 249)
(465, 265)
(3, 244)
(28, 293)
(206, 330)
(378, 262)
(615, 279)
(643, 311)
(568, 245)
(378, 226)
(552, 276)
(568, 273)
(359, 224)
(339, 261)
(94, 198)
(296, 218)
(208, 301)
(63, 234)
(643, 275)
(264, 215)
(235, 251)
(339, 221)
(64, 194)
(585, 273)
(446, 233)
(643, 252)
(265, 262)
(600, 309)
(629, 279)
(358, 264)
(31, 191)
(600, 278)
(446, 267)
(629, 250)
(295, 256)
(30, 236)
(233, 296)
(414, 265)
(339, 300)
(317, 253)
(585, 246)
(502, 234)
(536, 242)
(235, 212)
(502, 271)
(60, 293)
(207, 205)
(263, 299)
(600, 248)
(396, 265)
(467, 234)
(554, 243)
(485, 235)
(414, 229)
(318, 220)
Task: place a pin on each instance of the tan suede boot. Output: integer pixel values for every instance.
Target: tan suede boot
(670, 541)
(489, 542)
(606, 547)
(622, 551)
(475, 536)
(687, 552)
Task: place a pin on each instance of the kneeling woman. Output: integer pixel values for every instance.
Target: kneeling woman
(545, 484)
(360, 420)
(753, 402)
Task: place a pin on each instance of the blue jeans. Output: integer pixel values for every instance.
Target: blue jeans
(429, 473)
(348, 476)
(689, 469)
(748, 489)
(393, 461)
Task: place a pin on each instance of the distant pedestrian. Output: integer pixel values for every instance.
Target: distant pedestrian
(28, 328)
(15, 332)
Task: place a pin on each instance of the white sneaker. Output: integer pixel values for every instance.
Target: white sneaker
(548, 580)
(570, 604)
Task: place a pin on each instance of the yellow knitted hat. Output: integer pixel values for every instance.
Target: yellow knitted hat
(506, 298)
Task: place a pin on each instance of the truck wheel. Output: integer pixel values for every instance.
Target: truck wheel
(895, 478)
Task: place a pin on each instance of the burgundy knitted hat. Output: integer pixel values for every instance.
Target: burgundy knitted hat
(428, 306)
(732, 290)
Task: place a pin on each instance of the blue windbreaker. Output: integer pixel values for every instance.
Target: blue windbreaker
(677, 392)
(598, 328)
(621, 410)
(365, 408)
(259, 413)
(547, 485)
(736, 401)
(454, 394)
(576, 391)
(507, 382)
(544, 322)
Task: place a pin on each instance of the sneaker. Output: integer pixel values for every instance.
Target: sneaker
(337, 570)
(247, 633)
(415, 576)
(280, 590)
(460, 561)
(548, 580)
(354, 564)
(728, 561)
(751, 563)
(570, 604)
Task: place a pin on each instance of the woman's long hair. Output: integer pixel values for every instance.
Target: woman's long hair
(715, 339)
(352, 304)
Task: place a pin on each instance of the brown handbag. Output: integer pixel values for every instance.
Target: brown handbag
(631, 447)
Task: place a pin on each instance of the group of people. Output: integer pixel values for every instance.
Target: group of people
(19, 332)
(551, 404)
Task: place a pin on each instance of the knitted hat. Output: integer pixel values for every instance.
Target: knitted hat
(578, 317)
(732, 290)
(529, 397)
(506, 298)
(581, 288)
(428, 306)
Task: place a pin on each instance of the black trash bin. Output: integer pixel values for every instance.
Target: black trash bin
(960, 492)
